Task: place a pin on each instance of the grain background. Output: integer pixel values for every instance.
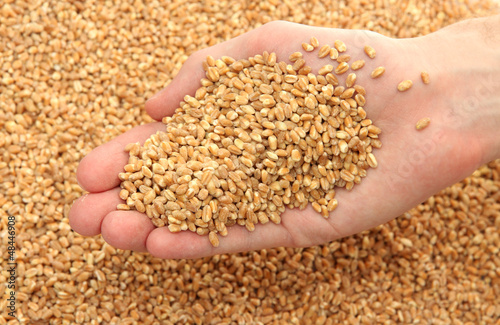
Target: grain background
(75, 74)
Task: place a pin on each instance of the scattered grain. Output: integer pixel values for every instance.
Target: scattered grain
(324, 51)
(214, 240)
(325, 69)
(425, 77)
(340, 46)
(358, 64)
(377, 72)
(307, 47)
(293, 57)
(334, 54)
(341, 68)
(423, 123)
(405, 85)
(350, 80)
(343, 58)
(314, 42)
(370, 51)
(371, 160)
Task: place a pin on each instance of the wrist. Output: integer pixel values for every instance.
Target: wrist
(468, 70)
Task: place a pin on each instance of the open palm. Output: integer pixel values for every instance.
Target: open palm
(412, 165)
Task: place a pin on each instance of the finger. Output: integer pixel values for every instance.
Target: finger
(87, 213)
(127, 230)
(280, 37)
(99, 170)
(298, 228)
(164, 244)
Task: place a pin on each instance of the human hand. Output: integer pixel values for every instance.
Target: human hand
(412, 165)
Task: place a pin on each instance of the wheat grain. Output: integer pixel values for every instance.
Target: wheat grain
(425, 77)
(377, 72)
(340, 46)
(358, 64)
(423, 123)
(405, 85)
(341, 68)
(307, 47)
(314, 42)
(370, 51)
(324, 51)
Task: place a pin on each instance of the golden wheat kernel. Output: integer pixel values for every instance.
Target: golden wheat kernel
(174, 228)
(341, 68)
(250, 226)
(282, 126)
(332, 79)
(332, 203)
(371, 160)
(360, 89)
(213, 74)
(316, 206)
(374, 129)
(139, 206)
(358, 64)
(343, 58)
(147, 172)
(405, 85)
(295, 155)
(122, 206)
(349, 185)
(340, 46)
(350, 80)
(149, 196)
(370, 51)
(289, 69)
(268, 125)
(271, 155)
(298, 64)
(324, 51)
(346, 175)
(377, 72)
(324, 212)
(338, 90)
(314, 42)
(124, 194)
(360, 99)
(130, 168)
(334, 54)
(425, 77)
(325, 69)
(271, 59)
(307, 47)
(423, 123)
(295, 56)
(304, 70)
(209, 61)
(348, 93)
(282, 153)
(343, 146)
(309, 102)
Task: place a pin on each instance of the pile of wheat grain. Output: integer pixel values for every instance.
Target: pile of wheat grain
(76, 74)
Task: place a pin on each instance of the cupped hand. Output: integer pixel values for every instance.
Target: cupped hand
(412, 165)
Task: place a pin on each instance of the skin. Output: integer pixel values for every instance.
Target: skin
(462, 102)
